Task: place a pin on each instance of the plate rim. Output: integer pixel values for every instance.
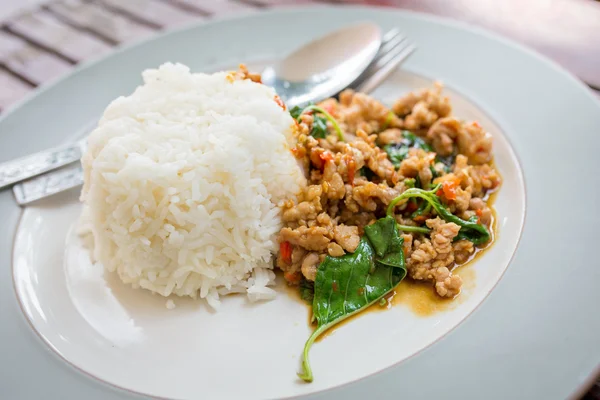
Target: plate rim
(522, 223)
(273, 13)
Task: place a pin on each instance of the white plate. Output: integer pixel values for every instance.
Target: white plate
(106, 329)
(528, 332)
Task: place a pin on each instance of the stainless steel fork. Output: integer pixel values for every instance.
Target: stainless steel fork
(46, 173)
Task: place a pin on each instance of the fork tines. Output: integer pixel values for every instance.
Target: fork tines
(394, 49)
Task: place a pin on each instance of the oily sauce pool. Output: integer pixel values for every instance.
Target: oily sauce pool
(420, 297)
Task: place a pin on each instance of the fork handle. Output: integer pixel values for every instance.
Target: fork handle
(46, 185)
(15, 171)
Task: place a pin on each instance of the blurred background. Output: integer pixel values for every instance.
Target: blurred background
(41, 40)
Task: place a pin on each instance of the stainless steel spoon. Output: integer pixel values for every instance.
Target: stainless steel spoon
(324, 67)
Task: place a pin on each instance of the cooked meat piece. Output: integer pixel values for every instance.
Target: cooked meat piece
(477, 203)
(446, 284)
(358, 219)
(462, 251)
(375, 158)
(443, 134)
(347, 237)
(306, 210)
(420, 117)
(475, 143)
(463, 193)
(242, 73)
(481, 210)
(419, 262)
(314, 238)
(360, 110)
(389, 136)
(422, 108)
(442, 235)
(480, 178)
(366, 194)
(303, 211)
(335, 250)
(418, 163)
(317, 156)
(324, 219)
(334, 189)
(484, 178)
(298, 254)
(310, 265)
(463, 196)
(313, 192)
(430, 258)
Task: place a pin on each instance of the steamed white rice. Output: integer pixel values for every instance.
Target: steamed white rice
(182, 184)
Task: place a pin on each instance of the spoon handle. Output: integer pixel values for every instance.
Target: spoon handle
(15, 171)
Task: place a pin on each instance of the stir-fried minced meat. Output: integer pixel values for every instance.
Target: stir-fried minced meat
(430, 258)
(369, 195)
(347, 237)
(443, 134)
(479, 178)
(360, 111)
(475, 143)
(463, 249)
(309, 266)
(243, 73)
(313, 238)
(352, 179)
(422, 108)
(418, 163)
(374, 158)
(389, 136)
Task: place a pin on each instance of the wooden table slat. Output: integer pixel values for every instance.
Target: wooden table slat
(100, 20)
(44, 28)
(157, 12)
(9, 44)
(29, 62)
(285, 3)
(218, 6)
(13, 89)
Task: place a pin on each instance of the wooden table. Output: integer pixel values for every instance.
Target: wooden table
(47, 39)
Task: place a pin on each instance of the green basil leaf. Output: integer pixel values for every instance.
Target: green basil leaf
(386, 241)
(348, 284)
(399, 151)
(297, 111)
(423, 210)
(411, 140)
(307, 290)
(448, 161)
(470, 230)
(396, 153)
(319, 127)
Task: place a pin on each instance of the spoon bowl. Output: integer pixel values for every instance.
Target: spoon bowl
(324, 67)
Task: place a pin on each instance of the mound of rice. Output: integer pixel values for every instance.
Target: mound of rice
(182, 184)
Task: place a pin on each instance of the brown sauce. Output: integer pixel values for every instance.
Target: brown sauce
(420, 297)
